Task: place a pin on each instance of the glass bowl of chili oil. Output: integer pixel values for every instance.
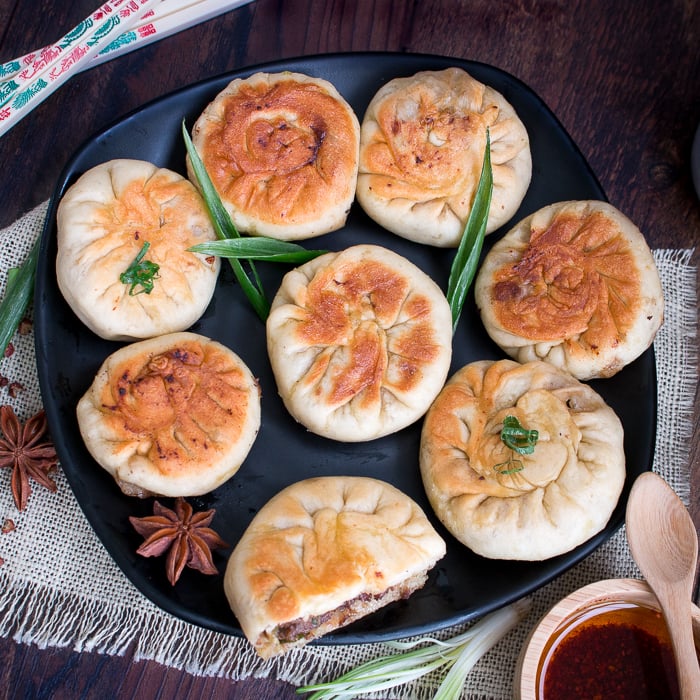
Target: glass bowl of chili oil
(605, 640)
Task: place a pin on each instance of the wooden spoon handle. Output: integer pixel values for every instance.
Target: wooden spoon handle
(664, 543)
(678, 618)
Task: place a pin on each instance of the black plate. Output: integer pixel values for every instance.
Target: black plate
(463, 585)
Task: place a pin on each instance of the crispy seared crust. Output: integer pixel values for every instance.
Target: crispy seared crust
(422, 145)
(103, 221)
(360, 343)
(282, 151)
(174, 415)
(324, 552)
(504, 505)
(574, 284)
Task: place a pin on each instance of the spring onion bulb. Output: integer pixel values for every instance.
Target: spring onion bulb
(422, 656)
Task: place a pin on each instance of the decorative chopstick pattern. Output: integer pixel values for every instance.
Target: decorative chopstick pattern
(28, 88)
(168, 18)
(165, 19)
(20, 70)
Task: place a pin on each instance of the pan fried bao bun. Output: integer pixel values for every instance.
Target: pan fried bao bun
(282, 151)
(574, 284)
(422, 144)
(103, 221)
(173, 416)
(324, 552)
(506, 505)
(360, 343)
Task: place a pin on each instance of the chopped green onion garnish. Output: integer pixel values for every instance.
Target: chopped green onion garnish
(519, 439)
(466, 259)
(510, 466)
(140, 273)
(18, 293)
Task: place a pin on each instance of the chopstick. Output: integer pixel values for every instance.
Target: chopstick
(164, 20)
(169, 18)
(25, 91)
(36, 61)
(85, 39)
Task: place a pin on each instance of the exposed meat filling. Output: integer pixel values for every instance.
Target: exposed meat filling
(311, 627)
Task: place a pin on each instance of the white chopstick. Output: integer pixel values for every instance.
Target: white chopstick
(165, 19)
(34, 62)
(164, 23)
(86, 38)
(69, 54)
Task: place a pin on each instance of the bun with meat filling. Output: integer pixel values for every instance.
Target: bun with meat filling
(324, 552)
(422, 143)
(171, 416)
(120, 212)
(530, 506)
(574, 284)
(282, 151)
(360, 343)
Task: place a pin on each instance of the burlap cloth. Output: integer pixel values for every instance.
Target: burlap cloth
(59, 587)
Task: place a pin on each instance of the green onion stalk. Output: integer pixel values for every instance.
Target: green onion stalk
(466, 260)
(236, 248)
(418, 658)
(18, 294)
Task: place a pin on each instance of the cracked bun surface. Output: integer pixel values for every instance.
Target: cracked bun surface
(360, 343)
(324, 552)
(422, 145)
(282, 151)
(173, 416)
(103, 221)
(506, 505)
(574, 284)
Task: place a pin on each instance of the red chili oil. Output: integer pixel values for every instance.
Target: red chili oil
(612, 651)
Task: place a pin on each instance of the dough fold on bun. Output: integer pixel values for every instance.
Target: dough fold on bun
(282, 151)
(325, 552)
(173, 416)
(422, 144)
(506, 505)
(103, 222)
(574, 284)
(360, 343)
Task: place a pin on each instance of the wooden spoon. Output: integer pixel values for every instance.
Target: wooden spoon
(664, 543)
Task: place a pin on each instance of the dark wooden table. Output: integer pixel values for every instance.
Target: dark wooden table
(623, 77)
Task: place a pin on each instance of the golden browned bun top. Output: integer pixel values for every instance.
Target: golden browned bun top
(360, 342)
(103, 221)
(282, 151)
(575, 284)
(555, 290)
(330, 317)
(427, 137)
(321, 543)
(175, 412)
(507, 505)
(422, 147)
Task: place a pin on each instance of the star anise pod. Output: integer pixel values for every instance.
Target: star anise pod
(23, 450)
(185, 535)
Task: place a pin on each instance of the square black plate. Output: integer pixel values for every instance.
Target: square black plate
(463, 585)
